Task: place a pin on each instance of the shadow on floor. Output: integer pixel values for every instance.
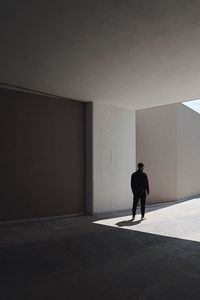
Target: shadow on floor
(73, 258)
(128, 223)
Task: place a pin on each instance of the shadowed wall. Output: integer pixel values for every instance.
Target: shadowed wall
(42, 164)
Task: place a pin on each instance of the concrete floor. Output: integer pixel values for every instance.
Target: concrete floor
(181, 220)
(74, 258)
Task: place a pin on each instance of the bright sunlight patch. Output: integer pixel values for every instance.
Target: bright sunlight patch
(181, 220)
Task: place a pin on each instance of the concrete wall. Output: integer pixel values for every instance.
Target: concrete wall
(113, 157)
(42, 156)
(156, 146)
(89, 159)
(44, 168)
(168, 142)
(188, 135)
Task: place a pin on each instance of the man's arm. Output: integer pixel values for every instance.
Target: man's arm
(132, 183)
(147, 185)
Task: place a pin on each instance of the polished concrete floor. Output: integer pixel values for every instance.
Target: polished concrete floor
(74, 258)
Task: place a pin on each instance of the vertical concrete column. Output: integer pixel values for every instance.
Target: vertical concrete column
(113, 157)
(89, 159)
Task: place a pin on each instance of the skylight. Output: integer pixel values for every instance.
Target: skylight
(194, 105)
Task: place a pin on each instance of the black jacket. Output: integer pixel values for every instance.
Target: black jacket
(139, 182)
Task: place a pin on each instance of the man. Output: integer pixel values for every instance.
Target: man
(139, 186)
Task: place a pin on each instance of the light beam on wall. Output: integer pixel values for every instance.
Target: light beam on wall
(194, 105)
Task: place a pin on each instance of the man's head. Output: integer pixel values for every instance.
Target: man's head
(140, 166)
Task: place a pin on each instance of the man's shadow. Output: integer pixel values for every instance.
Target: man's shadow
(128, 223)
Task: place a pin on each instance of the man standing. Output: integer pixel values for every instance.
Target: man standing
(139, 186)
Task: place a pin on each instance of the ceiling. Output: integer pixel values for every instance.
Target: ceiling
(129, 53)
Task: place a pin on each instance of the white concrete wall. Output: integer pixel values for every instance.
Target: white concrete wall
(113, 157)
(188, 135)
(156, 144)
(168, 142)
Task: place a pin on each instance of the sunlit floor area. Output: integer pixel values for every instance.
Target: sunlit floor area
(181, 220)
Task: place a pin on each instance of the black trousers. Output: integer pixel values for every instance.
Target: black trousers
(136, 198)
